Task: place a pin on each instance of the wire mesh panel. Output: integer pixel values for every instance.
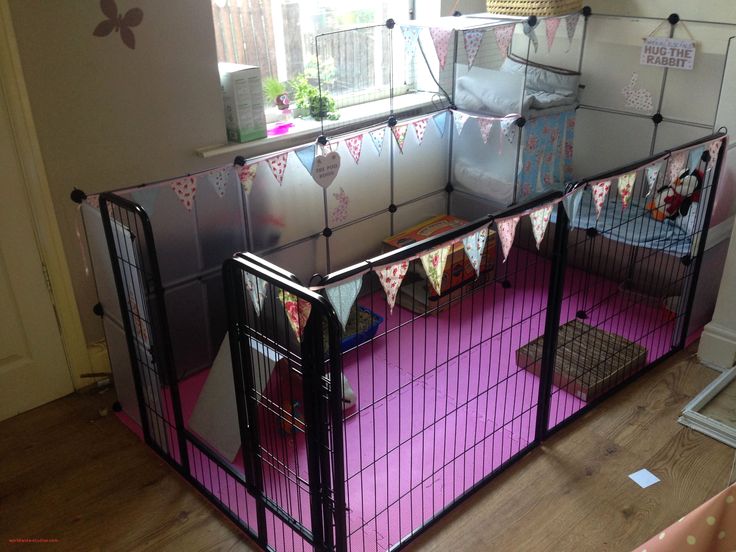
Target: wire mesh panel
(634, 250)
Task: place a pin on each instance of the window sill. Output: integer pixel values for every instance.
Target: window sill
(304, 131)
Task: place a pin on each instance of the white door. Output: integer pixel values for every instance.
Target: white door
(33, 367)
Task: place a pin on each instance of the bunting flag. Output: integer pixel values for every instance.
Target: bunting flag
(506, 232)
(713, 150)
(297, 311)
(218, 179)
(146, 198)
(540, 220)
(475, 246)
(411, 35)
(550, 27)
(625, 187)
(340, 213)
(600, 192)
(531, 34)
(355, 146)
(504, 35)
(306, 156)
(257, 290)
(342, 298)
(508, 129)
(391, 277)
(441, 40)
(460, 120)
(677, 164)
(420, 128)
(278, 166)
(485, 128)
(652, 173)
(185, 189)
(246, 175)
(571, 24)
(440, 121)
(434, 266)
(93, 201)
(399, 132)
(571, 203)
(473, 40)
(377, 139)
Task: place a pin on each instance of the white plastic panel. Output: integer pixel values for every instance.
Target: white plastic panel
(359, 242)
(303, 259)
(117, 351)
(188, 328)
(727, 109)
(471, 208)
(670, 135)
(216, 310)
(422, 168)
(414, 213)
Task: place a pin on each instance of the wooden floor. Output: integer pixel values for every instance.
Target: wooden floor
(69, 474)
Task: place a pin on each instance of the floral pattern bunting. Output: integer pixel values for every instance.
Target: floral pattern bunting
(93, 201)
(540, 221)
(391, 277)
(485, 128)
(411, 35)
(475, 246)
(343, 296)
(460, 119)
(600, 192)
(377, 139)
(434, 266)
(441, 39)
(503, 38)
(652, 173)
(508, 129)
(571, 24)
(399, 132)
(278, 166)
(246, 175)
(420, 127)
(713, 149)
(626, 187)
(355, 145)
(473, 40)
(677, 164)
(257, 290)
(218, 179)
(506, 232)
(340, 213)
(550, 27)
(185, 189)
(297, 311)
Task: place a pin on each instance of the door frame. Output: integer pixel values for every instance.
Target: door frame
(35, 182)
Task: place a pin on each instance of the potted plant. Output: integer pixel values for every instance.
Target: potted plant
(308, 100)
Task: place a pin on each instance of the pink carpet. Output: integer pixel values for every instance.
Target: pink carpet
(441, 404)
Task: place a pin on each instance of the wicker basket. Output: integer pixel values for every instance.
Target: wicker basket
(540, 8)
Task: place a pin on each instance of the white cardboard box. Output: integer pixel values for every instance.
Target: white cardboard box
(243, 95)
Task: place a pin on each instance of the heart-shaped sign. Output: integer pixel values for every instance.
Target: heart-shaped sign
(325, 168)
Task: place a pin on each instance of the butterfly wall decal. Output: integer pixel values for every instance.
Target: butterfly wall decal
(118, 22)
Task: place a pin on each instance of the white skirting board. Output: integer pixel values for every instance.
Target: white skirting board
(692, 417)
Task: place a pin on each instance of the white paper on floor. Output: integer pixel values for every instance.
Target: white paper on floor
(644, 478)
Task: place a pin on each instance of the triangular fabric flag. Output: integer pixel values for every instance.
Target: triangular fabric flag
(218, 179)
(713, 150)
(485, 128)
(146, 198)
(185, 189)
(441, 40)
(506, 232)
(571, 24)
(399, 132)
(278, 166)
(540, 220)
(306, 156)
(504, 35)
(475, 246)
(411, 35)
(460, 119)
(420, 127)
(246, 175)
(531, 33)
(508, 129)
(600, 192)
(257, 290)
(440, 121)
(571, 203)
(550, 27)
(652, 173)
(93, 201)
(355, 146)
(695, 157)
(297, 311)
(377, 139)
(677, 164)
(391, 277)
(434, 266)
(625, 187)
(343, 297)
(472, 41)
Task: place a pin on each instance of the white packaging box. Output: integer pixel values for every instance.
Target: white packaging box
(245, 118)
